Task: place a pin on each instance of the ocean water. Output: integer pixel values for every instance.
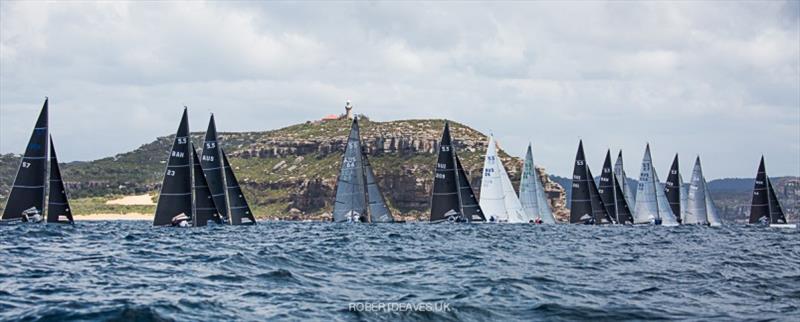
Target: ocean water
(122, 271)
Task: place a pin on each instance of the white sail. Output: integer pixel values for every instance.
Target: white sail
(492, 201)
(619, 171)
(541, 200)
(514, 209)
(664, 210)
(527, 187)
(711, 209)
(684, 198)
(646, 209)
(696, 211)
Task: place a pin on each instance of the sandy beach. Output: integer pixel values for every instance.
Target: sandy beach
(140, 200)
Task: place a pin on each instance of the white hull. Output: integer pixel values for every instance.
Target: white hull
(783, 226)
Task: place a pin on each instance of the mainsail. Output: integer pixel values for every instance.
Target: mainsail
(175, 197)
(531, 192)
(586, 206)
(452, 198)
(211, 162)
(351, 201)
(651, 202)
(378, 211)
(611, 194)
(492, 200)
(28, 190)
(622, 178)
(697, 212)
(57, 202)
(204, 208)
(672, 188)
(765, 207)
(237, 204)
(513, 206)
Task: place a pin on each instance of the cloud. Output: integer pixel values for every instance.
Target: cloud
(717, 79)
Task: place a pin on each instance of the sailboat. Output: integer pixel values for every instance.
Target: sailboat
(622, 178)
(452, 198)
(498, 199)
(228, 198)
(26, 202)
(531, 193)
(700, 207)
(612, 196)
(175, 198)
(765, 208)
(586, 206)
(358, 197)
(652, 206)
(673, 188)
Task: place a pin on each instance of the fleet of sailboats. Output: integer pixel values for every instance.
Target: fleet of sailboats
(195, 191)
(199, 187)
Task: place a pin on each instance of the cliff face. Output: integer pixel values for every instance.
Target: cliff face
(402, 152)
(291, 172)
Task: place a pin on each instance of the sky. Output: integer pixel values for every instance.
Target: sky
(716, 79)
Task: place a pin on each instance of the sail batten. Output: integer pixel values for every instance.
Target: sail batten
(611, 194)
(351, 200)
(672, 189)
(531, 192)
(586, 206)
(697, 212)
(652, 206)
(28, 190)
(452, 197)
(378, 210)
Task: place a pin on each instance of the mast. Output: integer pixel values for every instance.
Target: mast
(28, 190)
(175, 196)
(599, 212)
(606, 189)
(622, 178)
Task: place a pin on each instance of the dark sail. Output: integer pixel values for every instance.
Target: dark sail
(204, 208)
(176, 190)
(672, 188)
(581, 204)
(759, 207)
(775, 211)
(351, 201)
(28, 189)
(378, 211)
(211, 162)
(239, 209)
(599, 212)
(445, 199)
(469, 204)
(611, 194)
(57, 202)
